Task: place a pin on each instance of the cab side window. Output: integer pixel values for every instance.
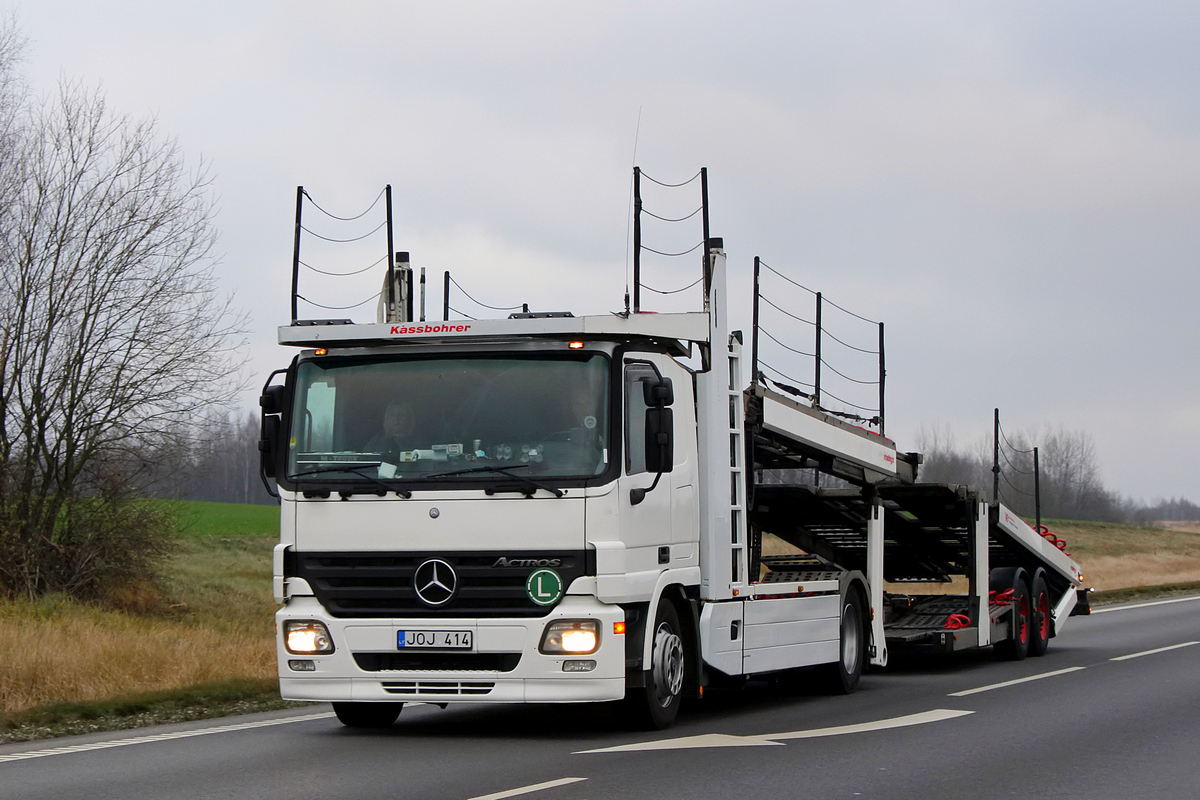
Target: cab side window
(635, 417)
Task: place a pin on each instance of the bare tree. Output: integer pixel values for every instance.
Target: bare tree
(1070, 482)
(12, 92)
(113, 337)
(943, 461)
(222, 463)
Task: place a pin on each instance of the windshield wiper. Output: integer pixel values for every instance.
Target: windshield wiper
(503, 471)
(355, 471)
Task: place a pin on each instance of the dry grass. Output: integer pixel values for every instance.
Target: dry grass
(1119, 556)
(213, 621)
(1172, 525)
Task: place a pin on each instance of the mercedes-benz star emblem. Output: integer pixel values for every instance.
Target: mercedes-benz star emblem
(435, 582)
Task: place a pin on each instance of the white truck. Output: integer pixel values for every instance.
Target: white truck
(556, 509)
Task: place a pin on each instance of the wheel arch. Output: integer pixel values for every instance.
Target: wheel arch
(855, 581)
(676, 588)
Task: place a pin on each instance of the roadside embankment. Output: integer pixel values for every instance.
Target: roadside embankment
(200, 644)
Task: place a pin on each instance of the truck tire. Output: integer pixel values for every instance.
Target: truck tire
(842, 676)
(367, 715)
(656, 706)
(1039, 639)
(1016, 647)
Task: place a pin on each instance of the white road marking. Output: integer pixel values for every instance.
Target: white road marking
(159, 737)
(1152, 652)
(537, 787)
(1015, 682)
(688, 743)
(1144, 605)
(936, 715)
(768, 740)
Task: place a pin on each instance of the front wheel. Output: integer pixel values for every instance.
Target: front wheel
(842, 676)
(657, 704)
(367, 715)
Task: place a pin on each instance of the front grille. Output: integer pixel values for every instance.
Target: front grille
(426, 662)
(438, 688)
(380, 584)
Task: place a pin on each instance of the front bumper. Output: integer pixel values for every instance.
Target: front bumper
(512, 670)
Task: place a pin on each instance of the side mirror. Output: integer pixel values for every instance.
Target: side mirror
(268, 443)
(658, 392)
(660, 440)
(271, 400)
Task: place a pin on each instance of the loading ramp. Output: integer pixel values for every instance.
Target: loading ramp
(931, 533)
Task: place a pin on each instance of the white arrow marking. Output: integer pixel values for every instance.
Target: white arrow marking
(537, 787)
(937, 715)
(728, 740)
(688, 742)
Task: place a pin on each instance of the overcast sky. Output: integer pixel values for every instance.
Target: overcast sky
(1014, 189)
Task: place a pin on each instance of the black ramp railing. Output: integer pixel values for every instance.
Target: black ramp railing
(297, 262)
(639, 246)
(1024, 465)
(774, 337)
(448, 281)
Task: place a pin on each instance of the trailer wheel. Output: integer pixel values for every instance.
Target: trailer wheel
(656, 706)
(1016, 647)
(842, 676)
(367, 715)
(1039, 640)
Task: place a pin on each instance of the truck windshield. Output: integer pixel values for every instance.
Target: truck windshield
(385, 420)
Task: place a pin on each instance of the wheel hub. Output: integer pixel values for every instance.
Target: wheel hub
(850, 633)
(667, 660)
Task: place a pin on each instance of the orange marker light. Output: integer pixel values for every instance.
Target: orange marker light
(322, 351)
(618, 628)
(576, 345)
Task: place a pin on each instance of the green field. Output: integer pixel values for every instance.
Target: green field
(198, 519)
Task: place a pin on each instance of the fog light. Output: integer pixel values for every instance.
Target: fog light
(301, 665)
(579, 666)
(580, 636)
(306, 636)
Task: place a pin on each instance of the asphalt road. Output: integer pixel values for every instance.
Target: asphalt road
(1112, 711)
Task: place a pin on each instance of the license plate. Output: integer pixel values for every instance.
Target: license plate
(435, 640)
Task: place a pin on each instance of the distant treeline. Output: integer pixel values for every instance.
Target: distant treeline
(220, 464)
(1069, 476)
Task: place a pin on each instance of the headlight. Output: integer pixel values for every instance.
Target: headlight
(306, 636)
(575, 636)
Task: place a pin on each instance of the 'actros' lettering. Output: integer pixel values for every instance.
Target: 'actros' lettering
(527, 562)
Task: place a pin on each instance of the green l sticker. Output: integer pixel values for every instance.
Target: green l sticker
(544, 587)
